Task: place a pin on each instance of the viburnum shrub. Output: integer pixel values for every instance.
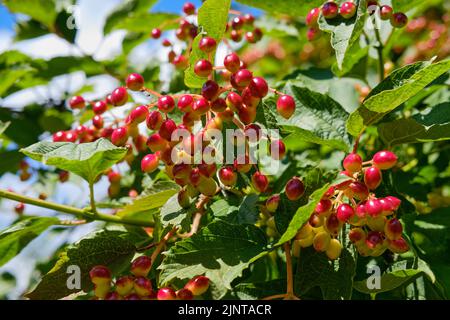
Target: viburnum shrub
(264, 163)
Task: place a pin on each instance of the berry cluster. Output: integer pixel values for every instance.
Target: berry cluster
(347, 10)
(241, 26)
(138, 286)
(373, 221)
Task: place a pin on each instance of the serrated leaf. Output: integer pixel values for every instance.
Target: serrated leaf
(289, 7)
(212, 19)
(389, 281)
(258, 290)
(221, 251)
(238, 211)
(397, 88)
(19, 235)
(345, 35)
(109, 248)
(123, 10)
(87, 160)
(172, 214)
(144, 21)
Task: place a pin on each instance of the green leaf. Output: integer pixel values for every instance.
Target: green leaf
(123, 10)
(172, 214)
(87, 160)
(9, 161)
(345, 35)
(389, 281)
(212, 19)
(53, 120)
(19, 235)
(290, 7)
(29, 29)
(9, 77)
(258, 290)
(145, 21)
(237, 211)
(4, 126)
(431, 125)
(109, 248)
(397, 88)
(221, 251)
(43, 11)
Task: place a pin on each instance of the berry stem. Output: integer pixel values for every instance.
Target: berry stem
(162, 244)
(236, 12)
(275, 91)
(290, 278)
(238, 123)
(379, 48)
(152, 92)
(92, 198)
(276, 296)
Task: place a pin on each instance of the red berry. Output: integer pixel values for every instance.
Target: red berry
(195, 176)
(140, 267)
(201, 106)
(374, 207)
(399, 20)
(295, 189)
(198, 285)
(374, 239)
(345, 212)
(156, 33)
(97, 121)
(114, 176)
(277, 149)
(166, 104)
(63, 176)
(393, 229)
(185, 103)
(208, 170)
(119, 136)
(234, 101)
(398, 246)
(149, 163)
(312, 17)
(323, 207)
(248, 18)
(207, 44)
(100, 275)
(372, 177)
(357, 235)
(71, 136)
(139, 114)
(181, 170)
(386, 12)
(357, 190)
(135, 82)
(19, 208)
(227, 176)
(203, 68)
(184, 294)
(260, 181)
(352, 163)
(237, 23)
(81, 130)
(156, 143)
(189, 8)
(247, 114)
(384, 160)
(361, 210)
(119, 96)
(210, 90)
(333, 224)
(166, 294)
(143, 287)
(395, 202)
(347, 10)
(167, 128)
(243, 77)
(132, 296)
(166, 43)
(272, 203)
(285, 106)
(99, 107)
(154, 120)
(372, 6)
(113, 296)
(218, 105)
(232, 62)
(313, 34)
(330, 10)
(77, 102)
(258, 87)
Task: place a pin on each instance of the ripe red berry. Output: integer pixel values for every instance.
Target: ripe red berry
(166, 294)
(207, 44)
(372, 177)
(156, 33)
(286, 106)
(260, 181)
(386, 12)
(237, 23)
(149, 163)
(227, 176)
(113, 296)
(384, 160)
(398, 246)
(188, 8)
(373, 207)
(97, 121)
(352, 163)
(218, 105)
(203, 68)
(198, 285)
(19, 208)
(357, 235)
(357, 190)
(234, 101)
(395, 202)
(333, 224)
(71, 136)
(277, 149)
(347, 10)
(154, 120)
(139, 114)
(210, 90)
(295, 189)
(166, 104)
(323, 207)
(185, 103)
(143, 287)
(114, 176)
(166, 43)
(232, 62)
(63, 176)
(201, 106)
(393, 229)
(167, 128)
(99, 107)
(399, 20)
(243, 77)
(140, 267)
(119, 136)
(258, 87)
(247, 114)
(119, 96)
(135, 82)
(184, 294)
(312, 17)
(313, 34)
(77, 102)
(156, 143)
(330, 10)
(345, 212)
(272, 203)
(195, 176)
(374, 239)
(100, 275)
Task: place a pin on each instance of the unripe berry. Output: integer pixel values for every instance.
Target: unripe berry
(232, 62)
(321, 241)
(119, 96)
(166, 129)
(352, 162)
(312, 17)
(345, 212)
(313, 34)
(113, 296)
(334, 249)
(305, 231)
(372, 177)
(195, 176)
(374, 239)
(210, 90)
(119, 136)
(207, 44)
(124, 285)
(99, 107)
(398, 246)
(272, 203)
(385, 12)
(198, 285)
(156, 33)
(185, 103)
(294, 189)
(156, 143)
(384, 160)
(77, 102)
(393, 229)
(234, 101)
(149, 163)
(357, 235)
(181, 170)
(135, 81)
(154, 120)
(285, 106)
(166, 294)
(203, 68)
(19, 208)
(258, 87)
(183, 199)
(114, 176)
(243, 165)
(184, 294)
(166, 104)
(188, 8)
(373, 207)
(243, 77)
(139, 114)
(399, 20)
(347, 10)
(330, 10)
(100, 275)
(97, 121)
(207, 186)
(260, 181)
(132, 296)
(376, 223)
(140, 267)
(101, 291)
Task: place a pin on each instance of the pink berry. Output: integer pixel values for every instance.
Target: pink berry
(149, 163)
(372, 177)
(166, 294)
(198, 285)
(384, 160)
(312, 17)
(119, 96)
(345, 212)
(166, 104)
(347, 10)
(286, 106)
(203, 68)
(352, 163)
(295, 189)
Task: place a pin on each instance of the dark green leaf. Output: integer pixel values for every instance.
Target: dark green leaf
(235, 211)
(290, 7)
(389, 281)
